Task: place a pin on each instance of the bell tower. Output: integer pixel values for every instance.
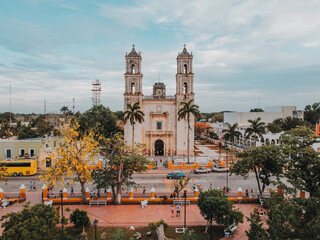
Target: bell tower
(184, 93)
(133, 93)
(133, 78)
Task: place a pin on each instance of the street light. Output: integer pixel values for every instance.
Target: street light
(61, 198)
(227, 172)
(95, 223)
(185, 209)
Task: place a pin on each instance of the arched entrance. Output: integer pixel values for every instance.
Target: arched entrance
(158, 148)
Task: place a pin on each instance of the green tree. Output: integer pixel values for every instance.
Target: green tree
(265, 161)
(26, 132)
(293, 218)
(65, 111)
(214, 206)
(133, 115)
(312, 113)
(123, 162)
(274, 128)
(257, 129)
(256, 231)
(231, 133)
(80, 219)
(188, 109)
(36, 222)
(5, 130)
(303, 167)
(99, 120)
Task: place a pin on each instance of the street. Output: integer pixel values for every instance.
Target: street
(148, 180)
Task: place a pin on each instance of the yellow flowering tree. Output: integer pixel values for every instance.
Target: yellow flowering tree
(71, 158)
(3, 173)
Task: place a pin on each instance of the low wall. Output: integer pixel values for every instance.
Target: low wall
(188, 166)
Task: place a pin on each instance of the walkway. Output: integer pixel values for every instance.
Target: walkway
(134, 215)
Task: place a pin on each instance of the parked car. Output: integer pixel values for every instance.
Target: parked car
(220, 169)
(202, 170)
(175, 175)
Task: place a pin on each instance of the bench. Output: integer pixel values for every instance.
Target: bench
(97, 202)
(229, 233)
(144, 203)
(48, 203)
(181, 202)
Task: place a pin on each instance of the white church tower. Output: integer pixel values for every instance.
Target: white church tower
(161, 132)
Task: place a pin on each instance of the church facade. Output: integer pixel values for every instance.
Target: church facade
(161, 132)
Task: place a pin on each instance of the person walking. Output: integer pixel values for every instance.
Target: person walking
(98, 193)
(178, 210)
(172, 211)
(72, 191)
(34, 186)
(30, 187)
(144, 190)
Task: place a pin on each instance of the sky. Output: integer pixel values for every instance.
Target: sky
(247, 54)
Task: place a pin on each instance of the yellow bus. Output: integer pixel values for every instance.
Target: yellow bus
(19, 167)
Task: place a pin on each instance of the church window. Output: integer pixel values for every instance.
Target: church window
(185, 88)
(133, 88)
(185, 69)
(133, 69)
(159, 125)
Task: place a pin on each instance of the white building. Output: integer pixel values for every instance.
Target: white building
(161, 132)
(269, 115)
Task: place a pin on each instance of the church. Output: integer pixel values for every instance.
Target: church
(161, 132)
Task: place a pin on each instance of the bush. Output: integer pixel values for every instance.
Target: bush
(165, 197)
(67, 209)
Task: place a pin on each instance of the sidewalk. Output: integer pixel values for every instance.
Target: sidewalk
(134, 215)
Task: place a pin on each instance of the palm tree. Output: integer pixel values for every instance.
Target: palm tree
(257, 128)
(133, 114)
(231, 133)
(185, 113)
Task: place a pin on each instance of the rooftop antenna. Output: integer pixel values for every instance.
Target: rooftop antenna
(159, 76)
(73, 106)
(10, 106)
(96, 92)
(45, 106)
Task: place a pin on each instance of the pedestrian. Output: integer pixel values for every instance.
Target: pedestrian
(30, 186)
(247, 193)
(193, 187)
(72, 191)
(264, 214)
(210, 188)
(172, 211)
(224, 190)
(91, 194)
(34, 186)
(98, 194)
(171, 196)
(67, 182)
(178, 210)
(261, 213)
(144, 190)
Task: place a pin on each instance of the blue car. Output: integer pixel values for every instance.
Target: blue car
(175, 175)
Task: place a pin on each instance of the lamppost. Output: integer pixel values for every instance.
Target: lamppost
(61, 198)
(211, 221)
(219, 149)
(185, 208)
(227, 171)
(95, 223)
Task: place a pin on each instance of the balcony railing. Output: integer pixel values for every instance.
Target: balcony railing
(150, 97)
(159, 132)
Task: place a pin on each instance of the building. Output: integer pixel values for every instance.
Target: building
(26, 148)
(161, 132)
(269, 115)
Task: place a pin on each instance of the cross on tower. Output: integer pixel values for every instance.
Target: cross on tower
(133, 45)
(184, 45)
